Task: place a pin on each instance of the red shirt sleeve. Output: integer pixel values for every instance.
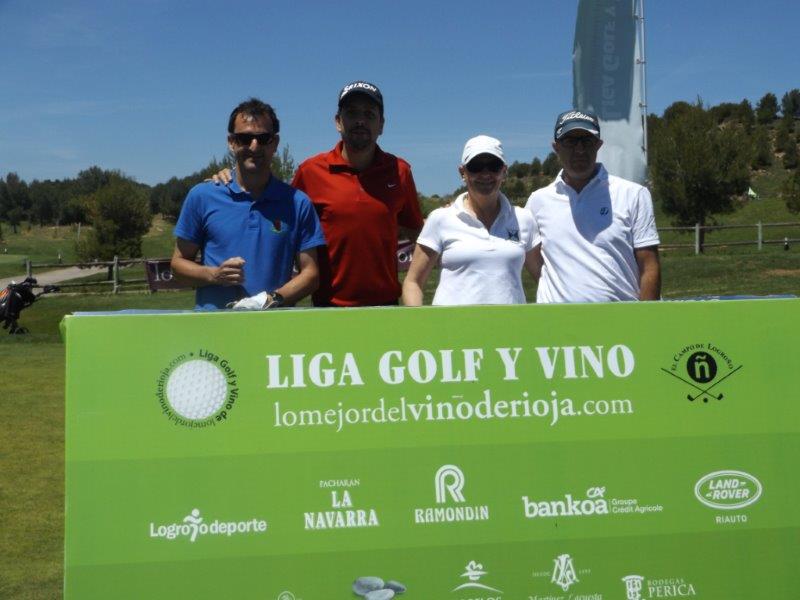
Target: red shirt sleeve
(410, 215)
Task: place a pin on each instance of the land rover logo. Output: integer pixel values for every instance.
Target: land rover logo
(728, 490)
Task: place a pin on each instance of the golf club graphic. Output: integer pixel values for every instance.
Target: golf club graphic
(703, 391)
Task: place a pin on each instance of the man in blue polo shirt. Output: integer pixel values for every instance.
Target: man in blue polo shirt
(251, 231)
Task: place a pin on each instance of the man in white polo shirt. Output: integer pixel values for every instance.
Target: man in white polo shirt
(595, 234)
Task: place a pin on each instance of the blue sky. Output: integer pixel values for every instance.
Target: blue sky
(146, 87)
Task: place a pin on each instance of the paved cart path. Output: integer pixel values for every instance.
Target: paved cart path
(55, 276)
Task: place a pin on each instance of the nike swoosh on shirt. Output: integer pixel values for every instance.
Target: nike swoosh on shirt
(391, 185)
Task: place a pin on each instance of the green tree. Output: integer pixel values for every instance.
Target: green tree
(15, 217)
(782, 134)
(536, 166)
(790, 103)
(551, 166)
(14, 200)
(283, 166)
(762, 149)
(167, 198)
(767, 109)
(725, 111)
(120, 216)
(515, 190)
(697, 167)
(790, 158)
(791, 192)
(746, 115)
(518, 169)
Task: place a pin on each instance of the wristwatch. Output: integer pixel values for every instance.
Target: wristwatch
(276, 300)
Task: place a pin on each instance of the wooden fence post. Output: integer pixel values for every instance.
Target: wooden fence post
(697, 238)
(760, 235)
(28, 268)
(115, 271)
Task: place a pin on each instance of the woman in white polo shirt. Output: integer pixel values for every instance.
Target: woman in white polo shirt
(482, 239)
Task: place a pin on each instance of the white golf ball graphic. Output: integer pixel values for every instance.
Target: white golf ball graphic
(196, 389)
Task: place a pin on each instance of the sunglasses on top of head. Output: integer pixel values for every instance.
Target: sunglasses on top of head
(245, 139)
(479, 165)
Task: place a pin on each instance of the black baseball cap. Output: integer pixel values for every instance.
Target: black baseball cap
(575, 119)
(362, 87)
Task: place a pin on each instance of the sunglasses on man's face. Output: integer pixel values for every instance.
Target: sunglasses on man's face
(587, 141)
(245, 139)
(494, 165)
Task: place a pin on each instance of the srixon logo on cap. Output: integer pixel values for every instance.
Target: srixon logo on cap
(359, 85)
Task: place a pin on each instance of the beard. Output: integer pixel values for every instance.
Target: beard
(359, 140)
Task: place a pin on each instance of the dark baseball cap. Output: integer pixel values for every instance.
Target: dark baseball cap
(362, 87)
(575, 119)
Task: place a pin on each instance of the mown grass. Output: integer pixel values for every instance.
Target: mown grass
(32, 470)
(43, 244)
(32, 410)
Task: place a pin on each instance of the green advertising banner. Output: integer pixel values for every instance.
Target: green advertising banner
(562, 452)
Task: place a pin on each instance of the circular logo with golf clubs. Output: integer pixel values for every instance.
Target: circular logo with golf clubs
(702, 371)
(701, 367)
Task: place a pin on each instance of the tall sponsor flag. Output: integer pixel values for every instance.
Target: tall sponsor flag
(608, 81)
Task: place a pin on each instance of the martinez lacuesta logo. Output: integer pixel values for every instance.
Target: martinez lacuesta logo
(564, 574)
(702, 368)
(197, 389)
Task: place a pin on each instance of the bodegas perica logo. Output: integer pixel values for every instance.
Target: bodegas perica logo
(702, 368)
(197, 389)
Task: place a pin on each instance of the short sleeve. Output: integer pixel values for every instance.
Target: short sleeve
(644, 221)
(310, 230)
(431, 234)
(536, 236)
(410, 215)
(190, 225)
(530, 229)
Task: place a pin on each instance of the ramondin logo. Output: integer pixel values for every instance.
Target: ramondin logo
(728, 490)
(449, 485)
(449, 481)
(193, 526)
(197, 389)
(702, 367)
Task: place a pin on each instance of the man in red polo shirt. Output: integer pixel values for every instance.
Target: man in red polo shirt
(364, 197)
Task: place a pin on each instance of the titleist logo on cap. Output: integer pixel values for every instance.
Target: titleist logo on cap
(575, 114)
(358, 85)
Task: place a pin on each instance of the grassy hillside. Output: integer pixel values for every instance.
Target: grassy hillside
(43, 244)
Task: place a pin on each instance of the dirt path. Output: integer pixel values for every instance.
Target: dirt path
(56, 276)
